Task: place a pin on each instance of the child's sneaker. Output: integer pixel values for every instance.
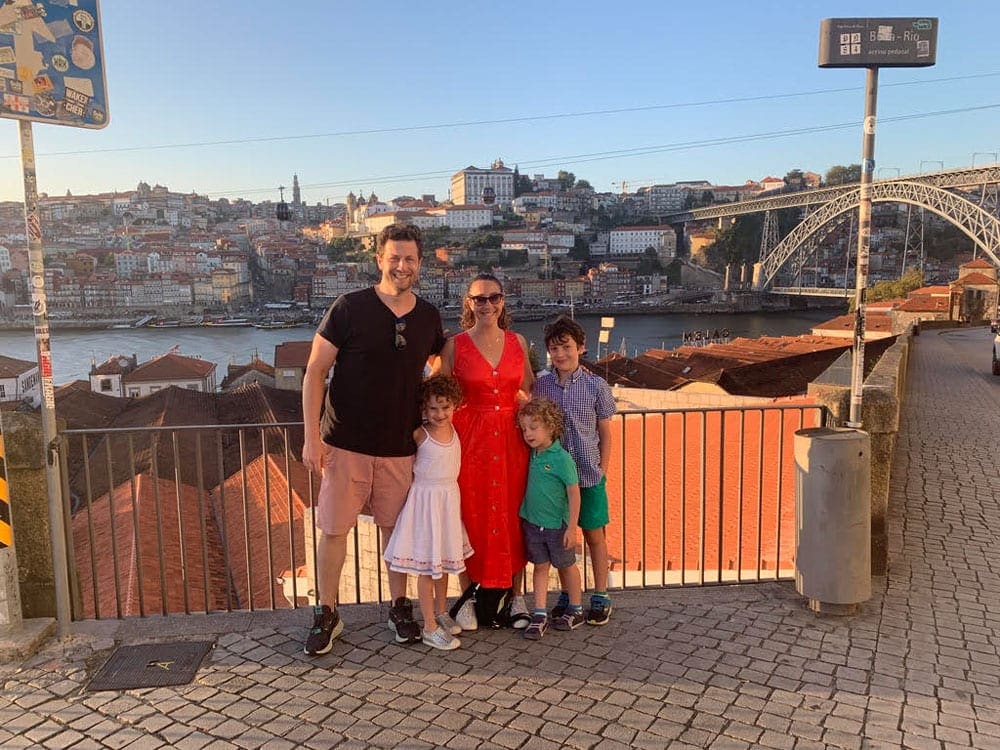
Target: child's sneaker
(600, 610)
(561, 606)
(519, 616)
(537, 627)
(401, 621)
(442, 640)
(466, 616)
(571, 620)
(447, 624)
(327, 625)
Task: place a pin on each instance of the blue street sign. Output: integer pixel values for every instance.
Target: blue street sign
(52, 63)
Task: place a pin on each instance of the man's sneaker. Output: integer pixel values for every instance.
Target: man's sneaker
(441, 639)
(600, 610)
(466, 616)
(401, 621)
(537, 627)
(327, 625)
(519, 617)
(571, 620)
(447, 624)
(561, 606)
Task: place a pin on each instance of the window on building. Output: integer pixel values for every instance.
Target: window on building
(3, 392)
(105, 385)
(133, 392)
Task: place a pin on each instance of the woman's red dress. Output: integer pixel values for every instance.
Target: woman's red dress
(494, 459)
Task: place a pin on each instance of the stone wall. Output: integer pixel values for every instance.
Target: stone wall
(30, 513)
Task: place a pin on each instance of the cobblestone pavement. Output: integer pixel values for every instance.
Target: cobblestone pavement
(721, 668)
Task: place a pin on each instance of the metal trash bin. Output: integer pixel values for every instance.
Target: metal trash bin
(833, 518)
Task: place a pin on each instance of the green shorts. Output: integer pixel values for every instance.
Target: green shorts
(594, 506)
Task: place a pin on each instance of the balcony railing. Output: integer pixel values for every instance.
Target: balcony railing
(209, 518)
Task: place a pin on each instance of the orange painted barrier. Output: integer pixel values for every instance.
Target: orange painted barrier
(704, 496)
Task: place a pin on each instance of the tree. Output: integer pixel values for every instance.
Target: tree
(519, 183)
(566, 179)
(841, 175)
(583, 185)
(674, 271)
(795, 179)
(581, 248)
(340, 248)
(650, 263)
(886, 290)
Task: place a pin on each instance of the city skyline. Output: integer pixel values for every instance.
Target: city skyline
(231, 100)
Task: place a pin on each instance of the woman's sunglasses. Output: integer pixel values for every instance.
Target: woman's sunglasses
(481, 299)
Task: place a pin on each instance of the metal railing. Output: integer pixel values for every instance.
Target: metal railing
(209, 518)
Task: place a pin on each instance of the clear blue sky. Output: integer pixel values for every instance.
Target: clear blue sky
(185, 72)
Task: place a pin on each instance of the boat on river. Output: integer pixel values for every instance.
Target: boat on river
(274, 325)
(229, 323)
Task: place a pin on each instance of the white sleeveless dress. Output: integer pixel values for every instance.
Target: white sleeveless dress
(429, 538)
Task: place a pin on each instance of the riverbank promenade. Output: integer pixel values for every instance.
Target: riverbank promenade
(722, 668)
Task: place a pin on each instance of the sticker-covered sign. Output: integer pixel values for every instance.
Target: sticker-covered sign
(877, 42)
(52, 62)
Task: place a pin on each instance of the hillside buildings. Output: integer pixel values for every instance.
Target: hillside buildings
(20, 383)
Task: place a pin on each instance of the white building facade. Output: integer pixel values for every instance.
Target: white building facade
(467, 186)
(636, 240)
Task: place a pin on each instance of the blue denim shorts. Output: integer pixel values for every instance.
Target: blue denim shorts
(546, 546)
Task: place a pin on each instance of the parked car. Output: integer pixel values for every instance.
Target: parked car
(995, 325)
(996, 354)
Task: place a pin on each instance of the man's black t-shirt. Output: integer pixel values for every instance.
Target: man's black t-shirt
(372, 402)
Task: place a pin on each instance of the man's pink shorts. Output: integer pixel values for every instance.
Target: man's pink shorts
(353, 480)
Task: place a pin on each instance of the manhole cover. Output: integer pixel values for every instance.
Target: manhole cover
(151, 665)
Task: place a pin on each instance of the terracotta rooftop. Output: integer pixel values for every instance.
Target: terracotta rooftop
(292, 354)
(975, 278)
(115, 366)
(272, 504)
(235, 372)
(170, 367)
(129, 550)
(977, 263)
(874, 321)
(198, 451)
(12, 368)
(930, 290)
(925, 304)
(81, 408)
(736, 365)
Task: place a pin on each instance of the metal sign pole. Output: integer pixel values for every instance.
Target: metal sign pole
(36, 269)
(864, 245)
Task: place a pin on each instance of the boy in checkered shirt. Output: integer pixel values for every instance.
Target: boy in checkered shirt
(588, 406)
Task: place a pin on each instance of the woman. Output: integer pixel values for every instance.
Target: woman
(491, 363)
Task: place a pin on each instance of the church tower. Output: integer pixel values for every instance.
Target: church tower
(296, 193)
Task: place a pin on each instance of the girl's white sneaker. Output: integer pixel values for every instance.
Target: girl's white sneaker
(441, 639)
(448, 625)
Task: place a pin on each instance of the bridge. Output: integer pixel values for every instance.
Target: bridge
(965, 197)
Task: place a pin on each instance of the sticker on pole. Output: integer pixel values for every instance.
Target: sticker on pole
(52, 63)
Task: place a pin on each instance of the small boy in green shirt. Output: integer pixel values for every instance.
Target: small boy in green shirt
(550, 514)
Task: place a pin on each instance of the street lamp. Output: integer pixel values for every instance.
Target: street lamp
(984, 153)
(931, 161)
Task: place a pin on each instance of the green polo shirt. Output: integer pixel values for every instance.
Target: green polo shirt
(550, 472)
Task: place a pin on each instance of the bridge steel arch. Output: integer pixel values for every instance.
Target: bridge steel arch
(977, 224)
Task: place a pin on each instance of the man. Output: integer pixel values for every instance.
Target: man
(362, 441)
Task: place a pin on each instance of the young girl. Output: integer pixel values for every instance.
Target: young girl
(429, 540)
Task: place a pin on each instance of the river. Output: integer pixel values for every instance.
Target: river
(74, 350)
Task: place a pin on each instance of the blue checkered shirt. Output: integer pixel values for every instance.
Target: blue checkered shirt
(585, 399)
